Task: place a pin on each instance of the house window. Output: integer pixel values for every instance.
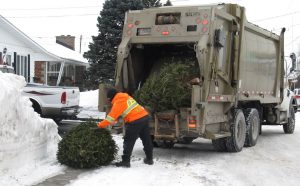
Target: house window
(52, 72)
(22, 66)
(8, 60)
(68, 75)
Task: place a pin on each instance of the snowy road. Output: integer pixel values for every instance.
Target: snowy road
(273, 161)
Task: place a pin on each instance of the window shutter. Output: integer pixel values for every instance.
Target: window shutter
(15, 62)
(28, 61)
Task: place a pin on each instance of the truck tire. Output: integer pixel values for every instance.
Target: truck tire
(253, 127)
(236, 141)
(290, 126)
(36, 107)
(220, 144)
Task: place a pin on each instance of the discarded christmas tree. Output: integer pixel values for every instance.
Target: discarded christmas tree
(85, 146)
(168, 87)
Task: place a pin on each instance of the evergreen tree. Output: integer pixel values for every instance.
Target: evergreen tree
(102, 52)
(86, 147)
(151, 3)
(168, 3)
(168, 87)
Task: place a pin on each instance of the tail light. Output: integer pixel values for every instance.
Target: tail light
(298, 97)
(205, 22)
(63, 98)
(130, 25)
(192, 122)
(165, 33)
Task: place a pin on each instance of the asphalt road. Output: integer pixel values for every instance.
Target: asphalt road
(66, 125)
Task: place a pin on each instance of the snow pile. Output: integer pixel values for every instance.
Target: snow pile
(89, 98)
(89, 101)
(28, 143)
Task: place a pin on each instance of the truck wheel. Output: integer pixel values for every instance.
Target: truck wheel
(236, 141)
(253, 127)
(36, 106)
(220, 144)
(290, 126)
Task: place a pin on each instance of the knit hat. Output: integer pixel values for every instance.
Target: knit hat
(111, 93)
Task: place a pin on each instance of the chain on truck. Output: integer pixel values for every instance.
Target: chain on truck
(241, 73)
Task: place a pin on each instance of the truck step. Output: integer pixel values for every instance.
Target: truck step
(222, 135)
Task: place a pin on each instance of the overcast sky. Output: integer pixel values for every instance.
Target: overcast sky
(47, 18)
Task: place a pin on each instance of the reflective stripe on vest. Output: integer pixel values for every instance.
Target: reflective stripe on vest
(131, 104)
(110, 119)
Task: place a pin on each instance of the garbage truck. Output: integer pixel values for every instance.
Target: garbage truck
(239, 87)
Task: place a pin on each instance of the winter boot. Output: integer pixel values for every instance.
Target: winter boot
(124, 163)
(149, 157)
(148, 161)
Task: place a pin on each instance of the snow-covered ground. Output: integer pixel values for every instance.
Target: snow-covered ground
(27, 148)
(273, 161)
(28, 143)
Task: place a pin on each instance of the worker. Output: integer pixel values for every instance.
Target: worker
(136, 125)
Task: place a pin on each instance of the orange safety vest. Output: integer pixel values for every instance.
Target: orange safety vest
(125, 106)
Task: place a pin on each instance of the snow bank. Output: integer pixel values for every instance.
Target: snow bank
(89, 101)
(28, 143)
(89, 98)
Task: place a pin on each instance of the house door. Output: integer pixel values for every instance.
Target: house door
(22, 66)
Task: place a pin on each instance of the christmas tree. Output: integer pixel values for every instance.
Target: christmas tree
(168, 86)
(87, 146)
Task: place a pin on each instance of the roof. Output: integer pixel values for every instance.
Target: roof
(54, 51)
(65, 53)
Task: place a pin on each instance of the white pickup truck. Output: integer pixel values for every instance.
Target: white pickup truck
(54, 102)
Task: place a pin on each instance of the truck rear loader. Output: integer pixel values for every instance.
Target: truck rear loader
(240, 85)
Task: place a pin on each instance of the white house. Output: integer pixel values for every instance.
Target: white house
(49, 64)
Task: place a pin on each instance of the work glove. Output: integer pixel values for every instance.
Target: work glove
(100, 126)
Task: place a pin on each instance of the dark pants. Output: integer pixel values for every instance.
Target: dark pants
(139, 128)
